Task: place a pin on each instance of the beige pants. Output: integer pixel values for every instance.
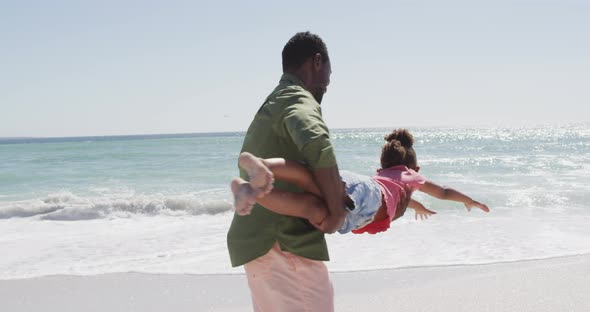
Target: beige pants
(282, 281)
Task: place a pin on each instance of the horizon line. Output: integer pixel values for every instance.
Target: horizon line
(335, 128)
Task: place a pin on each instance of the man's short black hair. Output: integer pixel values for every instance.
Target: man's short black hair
(301, 47)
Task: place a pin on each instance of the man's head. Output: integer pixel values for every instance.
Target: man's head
(306, 56)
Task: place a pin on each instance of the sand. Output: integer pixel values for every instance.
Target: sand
(557, 284)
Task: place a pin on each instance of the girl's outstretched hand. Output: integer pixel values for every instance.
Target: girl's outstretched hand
(477, 204)
(423, 212)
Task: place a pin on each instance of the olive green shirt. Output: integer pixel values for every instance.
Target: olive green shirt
(289, 125)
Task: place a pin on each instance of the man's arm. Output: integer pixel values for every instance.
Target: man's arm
(330, 185)
(305, 126)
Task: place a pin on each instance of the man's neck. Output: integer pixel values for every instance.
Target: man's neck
(302, 75)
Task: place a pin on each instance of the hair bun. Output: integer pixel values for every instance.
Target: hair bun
(392, 154)
(402, 135)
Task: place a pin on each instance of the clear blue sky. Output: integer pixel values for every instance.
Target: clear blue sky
(75, 68)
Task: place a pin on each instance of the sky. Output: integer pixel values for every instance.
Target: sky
(83, 68)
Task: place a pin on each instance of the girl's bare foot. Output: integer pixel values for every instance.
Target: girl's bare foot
(261, 178)
(244, 196)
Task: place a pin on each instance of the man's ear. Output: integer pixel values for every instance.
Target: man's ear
(317, 61)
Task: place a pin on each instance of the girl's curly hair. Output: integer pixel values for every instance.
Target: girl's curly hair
(398, 150)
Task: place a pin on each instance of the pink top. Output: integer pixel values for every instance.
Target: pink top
(392, 182)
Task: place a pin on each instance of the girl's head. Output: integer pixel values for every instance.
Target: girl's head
(398, 150)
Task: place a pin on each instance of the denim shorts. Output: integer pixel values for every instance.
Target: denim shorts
(366, 196)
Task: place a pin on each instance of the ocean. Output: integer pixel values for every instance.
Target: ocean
(161, 203)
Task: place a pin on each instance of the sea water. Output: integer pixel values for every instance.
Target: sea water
(161, 203)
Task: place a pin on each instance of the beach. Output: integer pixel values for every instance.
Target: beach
(556, 284)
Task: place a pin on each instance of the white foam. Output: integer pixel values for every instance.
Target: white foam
(70, 207)
(196, 244)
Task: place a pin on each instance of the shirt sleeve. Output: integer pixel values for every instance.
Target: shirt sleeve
(418, 180)
(303, 122)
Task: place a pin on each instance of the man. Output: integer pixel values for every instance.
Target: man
(283, 255)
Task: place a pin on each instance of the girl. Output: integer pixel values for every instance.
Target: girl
(372, 202)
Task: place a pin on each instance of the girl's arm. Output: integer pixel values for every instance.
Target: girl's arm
(420, 209)
(447, 193)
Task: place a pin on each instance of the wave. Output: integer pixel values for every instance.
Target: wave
(66, 206)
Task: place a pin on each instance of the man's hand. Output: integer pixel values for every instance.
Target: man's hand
(331, 223)
(331, 187)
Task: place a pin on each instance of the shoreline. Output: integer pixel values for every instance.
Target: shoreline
(554, 284)
(331, 271)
